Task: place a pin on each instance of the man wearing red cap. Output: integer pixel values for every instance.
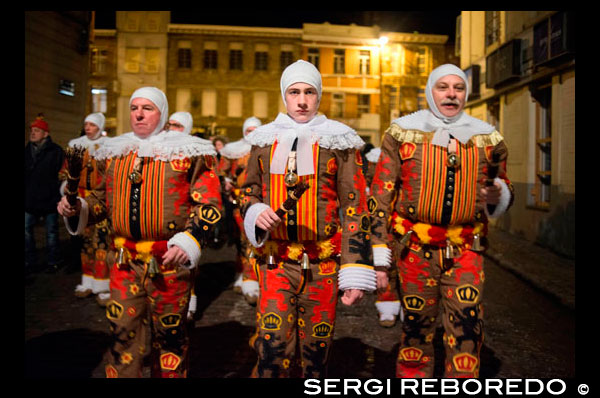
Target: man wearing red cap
(43, 161)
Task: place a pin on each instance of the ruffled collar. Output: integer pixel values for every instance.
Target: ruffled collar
(373, 155)
(165, 146)
(330, 134)
(90, 145)
(462, 128)
(237, 149)
(327, 133)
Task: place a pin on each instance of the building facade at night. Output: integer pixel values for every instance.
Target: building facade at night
(56, 70)
(522, 69)
(224, 74)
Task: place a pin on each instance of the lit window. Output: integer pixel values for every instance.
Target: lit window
(261, 104)
(339, 61)
(209, 102)
(543, 156)
(313, 56)
(99, 100)
(337, 105)
(364, 62)
(234, 103)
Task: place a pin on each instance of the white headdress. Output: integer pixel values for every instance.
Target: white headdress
(98, 119)
(461, 126)
(185, 118)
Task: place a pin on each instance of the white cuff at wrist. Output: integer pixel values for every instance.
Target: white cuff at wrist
(357, 278)
(83, 218)
(186, 242)
(502, 205)
(250, 223)
(382, 256)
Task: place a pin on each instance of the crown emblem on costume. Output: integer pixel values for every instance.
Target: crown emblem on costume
(411, 354)
(169, 361)
(322, 330)
(181, 164)
(407, 150)
(464, 362)
(271, 321)
(467, 293)
(114, 310)
(413, 302)
(170, 320)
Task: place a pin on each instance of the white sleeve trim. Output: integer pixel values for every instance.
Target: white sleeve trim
(504, 200)
(250, 223)
(63, 185)
(357, 278)
(189, 245)
(83, 218)
(382, 256)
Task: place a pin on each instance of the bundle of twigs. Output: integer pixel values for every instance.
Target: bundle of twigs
(74, 156)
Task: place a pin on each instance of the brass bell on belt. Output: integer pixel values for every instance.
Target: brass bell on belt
(476, 243)
(271, 261)
(449, 250)
(153, 268)
(405, 240)
(305, 262)
(121, 257)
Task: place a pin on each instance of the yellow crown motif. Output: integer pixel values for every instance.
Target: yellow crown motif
(411, 354)
(467, 293)
(322, 330)
(413, 302)
(271, 321)
(465, 362)
(169, 361)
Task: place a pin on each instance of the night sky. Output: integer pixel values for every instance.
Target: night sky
(438, 22)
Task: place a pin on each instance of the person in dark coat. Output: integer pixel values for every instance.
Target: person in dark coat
(43, 162)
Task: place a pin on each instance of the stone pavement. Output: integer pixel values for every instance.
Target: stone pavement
(546, 271)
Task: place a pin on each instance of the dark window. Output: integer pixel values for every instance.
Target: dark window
(210, 59)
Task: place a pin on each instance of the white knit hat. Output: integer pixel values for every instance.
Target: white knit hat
(185, 118)
(159, 99)
(97, 118)
(251, 122)
(301, 72)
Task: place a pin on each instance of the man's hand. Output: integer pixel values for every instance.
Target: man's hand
(382, 278)
(66, 210)
(491, 194)
(175, 256)
(268, 220)
(352, 296)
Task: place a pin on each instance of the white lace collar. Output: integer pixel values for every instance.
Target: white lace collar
(237, 149)
(330, 134)
(164, 146)
(463, 128)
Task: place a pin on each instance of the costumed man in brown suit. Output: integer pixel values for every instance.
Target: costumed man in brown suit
(305, 255)
(440, 176)
(388, 300)
(237, 154)
(95, 239)
(162, 196)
